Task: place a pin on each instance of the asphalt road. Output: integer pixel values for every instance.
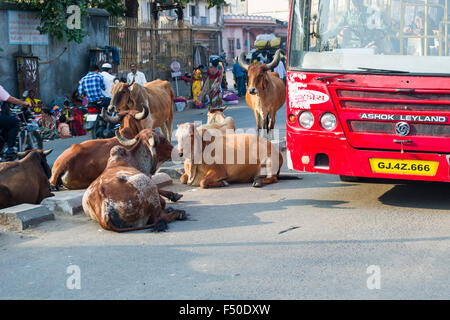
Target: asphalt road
(312, 238)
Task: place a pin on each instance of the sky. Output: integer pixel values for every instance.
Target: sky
(278, 9)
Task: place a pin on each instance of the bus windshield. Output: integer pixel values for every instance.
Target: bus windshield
(355, 35)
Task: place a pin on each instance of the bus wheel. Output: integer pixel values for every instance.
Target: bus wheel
(349, 179)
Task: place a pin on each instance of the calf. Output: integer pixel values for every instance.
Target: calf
(124, 198)
(217, 120)
(26, 180)
(231, 158)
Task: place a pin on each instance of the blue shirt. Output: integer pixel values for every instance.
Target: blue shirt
(92, 85)
(237, 70)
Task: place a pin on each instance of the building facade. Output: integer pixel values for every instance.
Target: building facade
(240, 32)
(206, 25)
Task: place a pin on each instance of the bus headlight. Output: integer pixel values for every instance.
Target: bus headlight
(328, 121)
(306, 119)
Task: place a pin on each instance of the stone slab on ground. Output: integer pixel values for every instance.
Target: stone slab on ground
(162, 179)
(25, 215)
(65, 203)
(175, 172)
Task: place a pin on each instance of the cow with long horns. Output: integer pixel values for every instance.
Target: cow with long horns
(157, 96)
(266, 92)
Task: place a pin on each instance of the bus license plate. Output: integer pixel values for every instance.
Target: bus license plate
(406, 167)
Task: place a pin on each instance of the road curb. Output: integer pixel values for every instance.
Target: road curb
(25, 215)
(65, 203)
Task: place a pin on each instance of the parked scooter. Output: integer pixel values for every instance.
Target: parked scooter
(100, 129)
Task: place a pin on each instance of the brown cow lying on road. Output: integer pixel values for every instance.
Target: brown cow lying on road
(217, 120)
(266, 92)
(26, 180)
(156, 95)
(123, 198)
(231, 158)
(78, 166)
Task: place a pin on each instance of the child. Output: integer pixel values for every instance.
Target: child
(48, 126)
(63, 128)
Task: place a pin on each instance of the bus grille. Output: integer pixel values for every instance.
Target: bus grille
(417, 129)
(391, 100)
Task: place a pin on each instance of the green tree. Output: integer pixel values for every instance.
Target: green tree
(53, 15)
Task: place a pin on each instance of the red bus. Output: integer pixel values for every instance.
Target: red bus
(369, 88)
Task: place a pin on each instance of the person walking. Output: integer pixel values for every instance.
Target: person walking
(239, 75)
(281, 70)
(197, 77)
(212, 85)
(108, 78)
(136, 76)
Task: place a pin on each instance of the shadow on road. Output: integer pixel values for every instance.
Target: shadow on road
(423, 195)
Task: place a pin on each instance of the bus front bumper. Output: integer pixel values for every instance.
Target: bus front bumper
(334, 155)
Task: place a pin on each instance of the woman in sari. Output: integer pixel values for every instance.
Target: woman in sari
(212, 85)
(48, 126)
(197, 85)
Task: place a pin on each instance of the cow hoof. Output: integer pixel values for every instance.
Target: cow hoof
(224, 183)
(176, 197)
(54, 188)
(161, 226)
(257, 184)
(168, 210)
(182, 215)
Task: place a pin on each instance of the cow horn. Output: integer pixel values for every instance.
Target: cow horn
(47, 152)
(142, 115)
(242, 61)
(275, 61)
(21, 155)
(108, 118)
(124, 141)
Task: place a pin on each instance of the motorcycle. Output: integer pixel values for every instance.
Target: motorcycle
(28, 137)
(94, 122)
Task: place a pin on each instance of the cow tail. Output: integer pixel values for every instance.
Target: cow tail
(5, 197)
(169, 123)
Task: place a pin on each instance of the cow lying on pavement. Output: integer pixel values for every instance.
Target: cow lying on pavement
(26, 180)
(78, 166)
(217, 120)
(214, 160)
(123, 198)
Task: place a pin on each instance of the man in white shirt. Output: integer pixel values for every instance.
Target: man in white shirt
(281, 71)
(136, 76)
(108, 78)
